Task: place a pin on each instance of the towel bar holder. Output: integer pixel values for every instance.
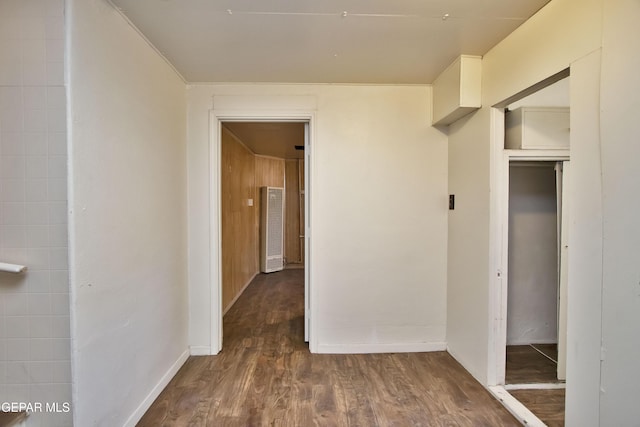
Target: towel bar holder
(12, 268)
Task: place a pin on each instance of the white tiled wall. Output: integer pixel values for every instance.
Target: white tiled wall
(34, 307)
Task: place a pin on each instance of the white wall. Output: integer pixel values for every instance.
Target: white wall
(584, 287)
(468, 248)
(533, 261)
(558, 36)
(35, 340)
(378, 213)
(555, 95)
(603, 301)
(620, 110)
(128, 217)
(560, 33)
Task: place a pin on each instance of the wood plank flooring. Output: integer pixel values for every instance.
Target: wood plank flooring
(548, 405)
(525, 365)
(549, 350)
(266, 376)
(9, 419)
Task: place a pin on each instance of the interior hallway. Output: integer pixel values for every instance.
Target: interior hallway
(265, 375)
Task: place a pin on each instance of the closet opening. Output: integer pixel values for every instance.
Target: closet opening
(533, 169)
(534, 257)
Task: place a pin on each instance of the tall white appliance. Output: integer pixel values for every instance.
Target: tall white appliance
(272, 229)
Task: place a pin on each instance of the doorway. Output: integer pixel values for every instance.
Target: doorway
(223, 122)
(538, 159)
(534, 300)
(536, 287)
(256, 156)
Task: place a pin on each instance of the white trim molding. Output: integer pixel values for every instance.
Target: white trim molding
(517, 409)
(200, 350)
(536, 386)
(241, 108)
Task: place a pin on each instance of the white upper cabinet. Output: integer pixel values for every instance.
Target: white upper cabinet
(541, 128)
(457, 90)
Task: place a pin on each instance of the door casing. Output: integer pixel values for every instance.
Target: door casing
(500, 297)
(217, 117)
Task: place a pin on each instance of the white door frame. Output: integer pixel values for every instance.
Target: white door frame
(497, 352)
(563, 269)
(217, 117)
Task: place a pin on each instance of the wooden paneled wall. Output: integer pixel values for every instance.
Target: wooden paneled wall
(239, 243)
(269, 172)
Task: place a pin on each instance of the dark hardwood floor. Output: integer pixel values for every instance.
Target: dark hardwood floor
(525, 365)
(9, 419)
(549, 350)
(548, 405)
(266, 376)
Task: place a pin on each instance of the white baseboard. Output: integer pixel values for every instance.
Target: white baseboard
(536, 386)
(200, 350)
(240, 293)
(366, 348)
(155, 392)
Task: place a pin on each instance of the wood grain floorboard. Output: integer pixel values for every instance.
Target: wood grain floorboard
(8, 419)
(548, 405)
(266, 376)
(525, 365)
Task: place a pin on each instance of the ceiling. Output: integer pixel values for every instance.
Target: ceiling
(270, 139)
(328, 41)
